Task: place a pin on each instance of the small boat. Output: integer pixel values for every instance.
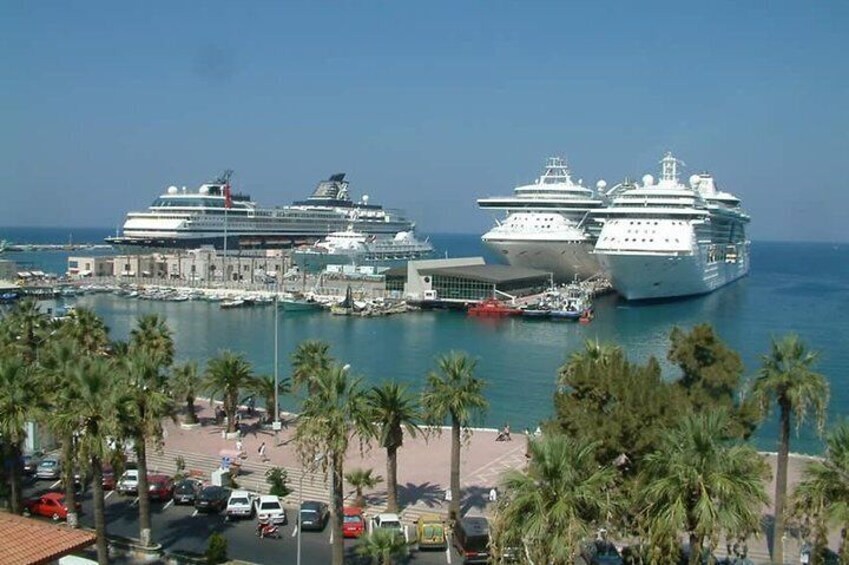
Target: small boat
(493, 308)
(235, 303)
(299, 304)
(536, 311)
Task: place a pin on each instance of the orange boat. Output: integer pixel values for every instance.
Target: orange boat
(492, 308)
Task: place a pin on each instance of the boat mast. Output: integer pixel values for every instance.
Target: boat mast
(225, 181)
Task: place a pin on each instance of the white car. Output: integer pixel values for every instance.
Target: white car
(129, 482)
(240, 505)
(269, 508)
(388, 521)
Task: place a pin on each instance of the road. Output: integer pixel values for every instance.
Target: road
(181, 528)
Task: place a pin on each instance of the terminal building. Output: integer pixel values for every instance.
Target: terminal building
(456, 282)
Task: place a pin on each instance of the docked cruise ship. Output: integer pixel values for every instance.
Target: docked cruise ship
(547, 224)
(664, 239)
(212, 215)
(357, 246)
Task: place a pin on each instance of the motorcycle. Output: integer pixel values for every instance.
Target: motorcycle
(266, 529)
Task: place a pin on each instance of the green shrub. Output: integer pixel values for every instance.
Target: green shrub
(277, 478)
(217, 551)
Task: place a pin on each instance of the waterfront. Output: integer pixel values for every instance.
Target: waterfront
(793, 287)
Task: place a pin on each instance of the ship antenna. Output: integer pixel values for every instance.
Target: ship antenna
(225, 177)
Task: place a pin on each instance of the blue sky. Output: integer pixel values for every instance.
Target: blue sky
(426, 105)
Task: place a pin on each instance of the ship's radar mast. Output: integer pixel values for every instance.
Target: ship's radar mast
(225, 177)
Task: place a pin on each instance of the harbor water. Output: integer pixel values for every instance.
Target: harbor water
(793, 287)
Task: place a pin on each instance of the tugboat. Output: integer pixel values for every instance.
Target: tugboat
(493, 308)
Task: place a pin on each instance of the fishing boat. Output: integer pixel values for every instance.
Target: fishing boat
(299, 304)
(493, 308)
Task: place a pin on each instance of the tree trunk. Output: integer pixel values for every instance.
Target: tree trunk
(337, 517)
(454, 507)
(99, 512)
(695, 550)
(392, 479)
(68, 477)
(191, 417)
(231, 412)
(16, 489)
(143, 493)
(781, 480)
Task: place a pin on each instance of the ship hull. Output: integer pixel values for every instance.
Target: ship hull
(564, 259)
(661, 276)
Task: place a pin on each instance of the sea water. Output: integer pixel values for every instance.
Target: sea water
(793, 287)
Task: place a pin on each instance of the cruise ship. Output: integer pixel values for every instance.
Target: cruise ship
(547, 224)
(666, 240)
(213, 215)
(354, 245)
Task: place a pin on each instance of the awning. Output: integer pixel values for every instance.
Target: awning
(38, 273)
(145, 273)
(128, 273)
(24, 274)
(271, 273)
(84, 273)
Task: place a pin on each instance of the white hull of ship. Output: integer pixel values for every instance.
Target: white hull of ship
(659, 276)
(564, 259)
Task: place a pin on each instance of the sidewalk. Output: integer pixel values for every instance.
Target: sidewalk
(423, 469)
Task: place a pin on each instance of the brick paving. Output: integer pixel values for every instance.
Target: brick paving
(423, 468)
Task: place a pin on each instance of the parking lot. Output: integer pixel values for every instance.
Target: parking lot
(182, 528)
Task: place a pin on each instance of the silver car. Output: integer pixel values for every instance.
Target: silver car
(49, 469)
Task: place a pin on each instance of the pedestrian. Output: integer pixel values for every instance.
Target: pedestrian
(261, 451)
(239, 445)
(493, 494)
(448, 495)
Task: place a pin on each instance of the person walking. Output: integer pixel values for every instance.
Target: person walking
(239, 446)
(262, 454)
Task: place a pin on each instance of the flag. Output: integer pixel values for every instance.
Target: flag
(228, 201)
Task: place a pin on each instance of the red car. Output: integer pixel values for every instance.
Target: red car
(354, 524)
(160, 487)
(108, 478)
(51, 505)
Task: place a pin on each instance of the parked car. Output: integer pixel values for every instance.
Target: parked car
(601, 552)
(49, 468)
(30, 462)
(108, 480)
(186, 491)
(240, 504)
(129, 482)
(313, 515)
(430, 532)
(269, 508)
(353, 522)
(471, 537)
(50, 505)
(388, 521)
(212, 499)
(160, 487)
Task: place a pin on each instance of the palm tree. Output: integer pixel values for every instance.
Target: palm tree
(186, 383)
(58, 362)
(228, 374)
(787, 376)
(87, 330)
(362, 479)
(456, 393)
(699, 483)
(100, 399)
(149, 402)
(153, 336)
(333, 414)
(309, 360)
(263, 386)
(394, 410)
(26, 325)
(549, 508)
(382, 546)
(822, 495)
(19, 402)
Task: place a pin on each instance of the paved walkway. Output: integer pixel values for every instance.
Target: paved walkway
(423, 469)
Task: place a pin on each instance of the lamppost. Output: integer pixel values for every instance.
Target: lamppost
(318, 458)
(276, 425)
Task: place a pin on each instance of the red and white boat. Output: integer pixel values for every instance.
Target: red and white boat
(493, 308)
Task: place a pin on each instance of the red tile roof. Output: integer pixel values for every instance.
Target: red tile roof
(30, 542)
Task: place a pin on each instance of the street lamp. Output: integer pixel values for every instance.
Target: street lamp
(316, 459)
(276, 425)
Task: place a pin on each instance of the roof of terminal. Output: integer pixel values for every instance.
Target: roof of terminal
(495, 274)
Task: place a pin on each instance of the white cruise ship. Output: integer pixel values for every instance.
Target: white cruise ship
(355, 245)
(547, 224)
(211, 215)
(664, 239)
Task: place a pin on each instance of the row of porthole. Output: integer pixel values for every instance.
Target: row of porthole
(635, 239)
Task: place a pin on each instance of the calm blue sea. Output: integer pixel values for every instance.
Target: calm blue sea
(793, 287)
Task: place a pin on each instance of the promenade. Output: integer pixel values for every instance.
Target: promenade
(423, 469)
